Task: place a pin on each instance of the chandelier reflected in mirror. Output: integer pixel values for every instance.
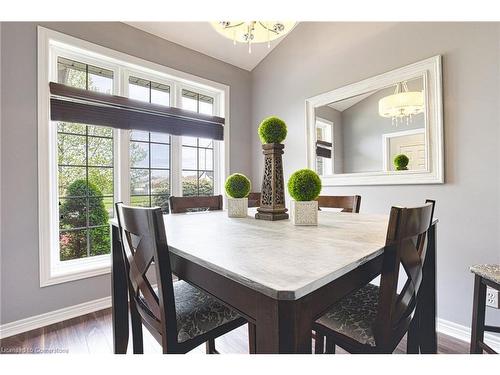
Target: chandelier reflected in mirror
(251, 32)
(402, 105)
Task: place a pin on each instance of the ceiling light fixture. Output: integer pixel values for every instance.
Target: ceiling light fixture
(253, 31)
(402, 104)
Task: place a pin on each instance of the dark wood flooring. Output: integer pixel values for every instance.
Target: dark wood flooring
(92, 334)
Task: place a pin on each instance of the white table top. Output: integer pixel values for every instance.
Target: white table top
(277, 258)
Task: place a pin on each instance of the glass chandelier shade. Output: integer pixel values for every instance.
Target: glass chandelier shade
(403, 104)
(250, 32)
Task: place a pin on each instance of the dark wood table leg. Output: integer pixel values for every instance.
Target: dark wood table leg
(412, 339)
(426, 311)
(119, 292)
(252, 344)
(283, 327)
(478, 313)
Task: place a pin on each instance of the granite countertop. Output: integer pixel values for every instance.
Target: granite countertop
(488, 271)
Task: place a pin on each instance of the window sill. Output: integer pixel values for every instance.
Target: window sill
(78, 269)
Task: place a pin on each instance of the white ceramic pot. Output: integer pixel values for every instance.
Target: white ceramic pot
(304, 213)
(237, 207)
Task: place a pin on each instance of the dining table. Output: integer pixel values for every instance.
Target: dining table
(279, 276)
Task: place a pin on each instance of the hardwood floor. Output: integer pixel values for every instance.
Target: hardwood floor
(92, 334)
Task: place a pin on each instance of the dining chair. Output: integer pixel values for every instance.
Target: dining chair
(180, 205)
(374, 319)
(350, 203)
(254, 200)
(485, 275)
(178, 315)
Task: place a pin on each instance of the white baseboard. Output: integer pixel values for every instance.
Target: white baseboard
(42, 320)
(463, 333)
(446, 327)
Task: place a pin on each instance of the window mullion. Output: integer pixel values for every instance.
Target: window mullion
(123, 166)
(175, 166)
(87, 200)
(150, 186)
(123, 158)
(176, 149)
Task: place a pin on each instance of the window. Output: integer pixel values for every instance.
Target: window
(324, 132)
(149, 169)
(84, 169)
(197, 153)
(149, 153)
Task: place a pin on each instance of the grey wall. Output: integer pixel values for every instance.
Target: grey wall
(21, 295)
(363, 127)
(318, 57)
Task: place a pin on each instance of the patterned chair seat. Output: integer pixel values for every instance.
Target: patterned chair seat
(198, 312)
(353, 315)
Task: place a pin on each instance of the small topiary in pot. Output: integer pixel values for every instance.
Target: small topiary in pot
(304, 187)
(401, 162)
(272, 130)
(237, 189)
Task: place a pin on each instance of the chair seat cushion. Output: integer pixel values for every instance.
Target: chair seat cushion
(198, 312)
(353, 316)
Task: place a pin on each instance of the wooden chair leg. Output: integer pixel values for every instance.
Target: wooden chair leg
(319, 343)
(210, 346)
(478, 312)
(252, 339)
(137, 341)
(330, 345)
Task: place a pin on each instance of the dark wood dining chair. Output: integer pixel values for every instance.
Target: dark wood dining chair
(254, 200)
(374, 319)
(179, 205)
(350, 203)
(485, 275)
(178, 315)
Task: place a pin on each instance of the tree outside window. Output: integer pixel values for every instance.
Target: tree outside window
(85, 171)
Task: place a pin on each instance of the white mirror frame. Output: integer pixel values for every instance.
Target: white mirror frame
(430, 70)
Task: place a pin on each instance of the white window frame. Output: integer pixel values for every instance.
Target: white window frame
(52, 44)
(324, 123)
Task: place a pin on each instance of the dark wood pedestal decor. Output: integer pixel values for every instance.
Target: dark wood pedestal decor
(272, 201)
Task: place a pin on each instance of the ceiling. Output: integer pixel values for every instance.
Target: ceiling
(343, 104)
(201, 37)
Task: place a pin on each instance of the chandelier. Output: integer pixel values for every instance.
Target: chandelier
(253, 31)
(403, 104)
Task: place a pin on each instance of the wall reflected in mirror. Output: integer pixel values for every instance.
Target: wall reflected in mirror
(365, 133)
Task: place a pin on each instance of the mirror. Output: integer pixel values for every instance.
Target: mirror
(384, 130)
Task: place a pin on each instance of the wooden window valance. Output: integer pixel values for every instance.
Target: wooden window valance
(324, 149)
(94, 108)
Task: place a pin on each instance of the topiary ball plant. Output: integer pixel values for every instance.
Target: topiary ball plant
(304, 185)
(272, 130)
(401, 161)
(237, 185)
